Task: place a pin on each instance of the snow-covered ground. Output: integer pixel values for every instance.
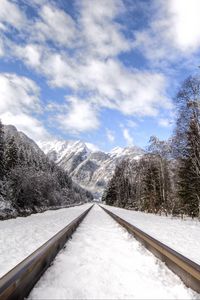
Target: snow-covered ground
(102, 261)
(181, 235)
(21, 236)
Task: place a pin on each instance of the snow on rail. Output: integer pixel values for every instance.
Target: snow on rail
(21, 236)
(181, 235)
(102, 261)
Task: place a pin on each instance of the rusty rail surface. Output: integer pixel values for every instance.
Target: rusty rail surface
(18, 282)
(187, 270)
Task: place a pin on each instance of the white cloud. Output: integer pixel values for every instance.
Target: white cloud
(131, 123)
(132, 92)
(52, 24)
(102, 34)
(61, 70)
(11, 14)
(2, 27)
(173, 32)
(80, 116)
(164, 122)
(186, 23)
(1, 48)
(55, 25)
(18, 93)
(19, 99)
(112, 85)
(92, 147)
(110, 135)
(31, 54)
(128, 138)
(27, 124)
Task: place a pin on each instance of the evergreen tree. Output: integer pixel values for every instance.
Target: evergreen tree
(187, 146)
(11, 155)
(161, 151)
(21, 157)
(110, 194)
(189, 172)
(151, 192)
(139, 185)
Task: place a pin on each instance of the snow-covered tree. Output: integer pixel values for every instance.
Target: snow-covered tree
(187, 145)
(11, 155)
(162, 152)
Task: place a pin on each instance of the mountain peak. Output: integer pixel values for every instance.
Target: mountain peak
(127, 151)
(88, 166)
(116, 151)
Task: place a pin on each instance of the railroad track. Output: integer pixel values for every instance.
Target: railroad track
(187, 270)
(18, 283)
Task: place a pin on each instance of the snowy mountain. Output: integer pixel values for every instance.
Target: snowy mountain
(68, 154)
(23, 142)
(128, 151)
(31, 182)
(89, 168)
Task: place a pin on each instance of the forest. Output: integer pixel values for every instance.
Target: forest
(29, 181)
(167, 178)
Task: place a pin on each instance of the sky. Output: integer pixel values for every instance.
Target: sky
(102, 71)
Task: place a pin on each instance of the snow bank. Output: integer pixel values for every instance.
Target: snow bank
(102, 261)
(21, 236)
(181, 235)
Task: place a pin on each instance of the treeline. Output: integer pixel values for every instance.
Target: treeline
(29, 181)
(167, 178)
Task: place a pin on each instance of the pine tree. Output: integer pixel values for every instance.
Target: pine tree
(110, 194)
(161, 150)
(21, 157)
(187, 146)
(11, 155)
(152, 198)
(189, 172)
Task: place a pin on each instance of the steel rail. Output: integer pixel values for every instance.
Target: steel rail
(187, 270)
(18, 282)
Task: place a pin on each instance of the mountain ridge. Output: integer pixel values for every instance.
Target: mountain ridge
(90, 169)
